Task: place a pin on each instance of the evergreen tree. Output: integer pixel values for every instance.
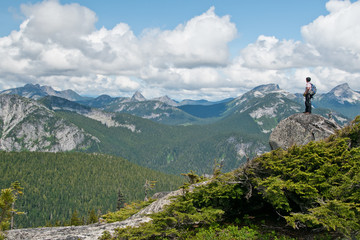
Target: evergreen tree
(218, 165)
(75, 220)
(7, 202)
(120, 200)
(149, 185)
(73, 185)
(93, 218)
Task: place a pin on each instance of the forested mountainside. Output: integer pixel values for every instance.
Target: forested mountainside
(175, 149)
(241, 132)
(57, 184)
(305, 192)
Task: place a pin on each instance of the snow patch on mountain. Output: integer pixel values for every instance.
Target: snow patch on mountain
(343, 93)
(258, 94)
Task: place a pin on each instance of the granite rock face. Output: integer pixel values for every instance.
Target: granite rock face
(27, 125)
(301, 129)
(86, 232)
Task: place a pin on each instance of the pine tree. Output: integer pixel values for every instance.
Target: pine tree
(7, 203)
(75, 220)
(120, 200)
(93, 218)
(149, 185)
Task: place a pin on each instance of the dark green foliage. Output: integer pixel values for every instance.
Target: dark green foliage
(75, 220)
(234, 232)
(58, 183)
(197, 215)
(317, 184)
(93, 218)
(127, 211)
(312, 187)
(174, 149)
(148, 187)
(8, 198)
(120, 200)
(193, 177)
(174, 222)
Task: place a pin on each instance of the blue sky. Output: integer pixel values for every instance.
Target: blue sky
(280, 18)
(184, 49)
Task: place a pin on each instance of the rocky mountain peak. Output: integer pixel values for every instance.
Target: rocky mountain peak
(38, 127)
(103, 97)
(36, 91)
(343, 93)
(32, 86)
(344, 87)
(138, 97)
(301, 129)
(167, 100)
(267, 88)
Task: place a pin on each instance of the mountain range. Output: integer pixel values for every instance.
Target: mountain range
(342, 99)
(158, 133)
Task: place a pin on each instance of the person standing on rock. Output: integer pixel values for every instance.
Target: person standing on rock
(307, 96)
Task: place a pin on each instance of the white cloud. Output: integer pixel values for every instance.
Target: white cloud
(60, 42)
(58, 45)
(48, 21)
(201, 41)
(330, 53)
(271, 53)
(114, 51)
(337, 5)
(336, 35)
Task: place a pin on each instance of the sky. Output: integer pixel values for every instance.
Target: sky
(185, 49)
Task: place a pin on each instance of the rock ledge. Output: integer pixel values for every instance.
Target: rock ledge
(301, 129)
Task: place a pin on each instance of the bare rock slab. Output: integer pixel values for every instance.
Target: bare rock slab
(301, 129)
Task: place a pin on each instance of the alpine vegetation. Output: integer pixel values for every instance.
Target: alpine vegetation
(309, 191)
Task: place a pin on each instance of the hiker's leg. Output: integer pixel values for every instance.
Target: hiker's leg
(308, 103)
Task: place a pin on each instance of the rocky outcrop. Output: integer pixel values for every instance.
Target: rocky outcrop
(301, 129)
(94, 231)
(87, 232)
(27, 125)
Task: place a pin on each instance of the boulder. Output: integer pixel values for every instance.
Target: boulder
(301, 129)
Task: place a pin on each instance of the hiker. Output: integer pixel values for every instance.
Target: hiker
(307, 96)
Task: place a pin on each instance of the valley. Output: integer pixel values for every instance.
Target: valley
(86, 140)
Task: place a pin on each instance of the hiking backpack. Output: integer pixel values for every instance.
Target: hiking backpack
(313, 90)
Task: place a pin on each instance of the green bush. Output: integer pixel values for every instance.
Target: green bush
(127, 211)
(312, 187)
